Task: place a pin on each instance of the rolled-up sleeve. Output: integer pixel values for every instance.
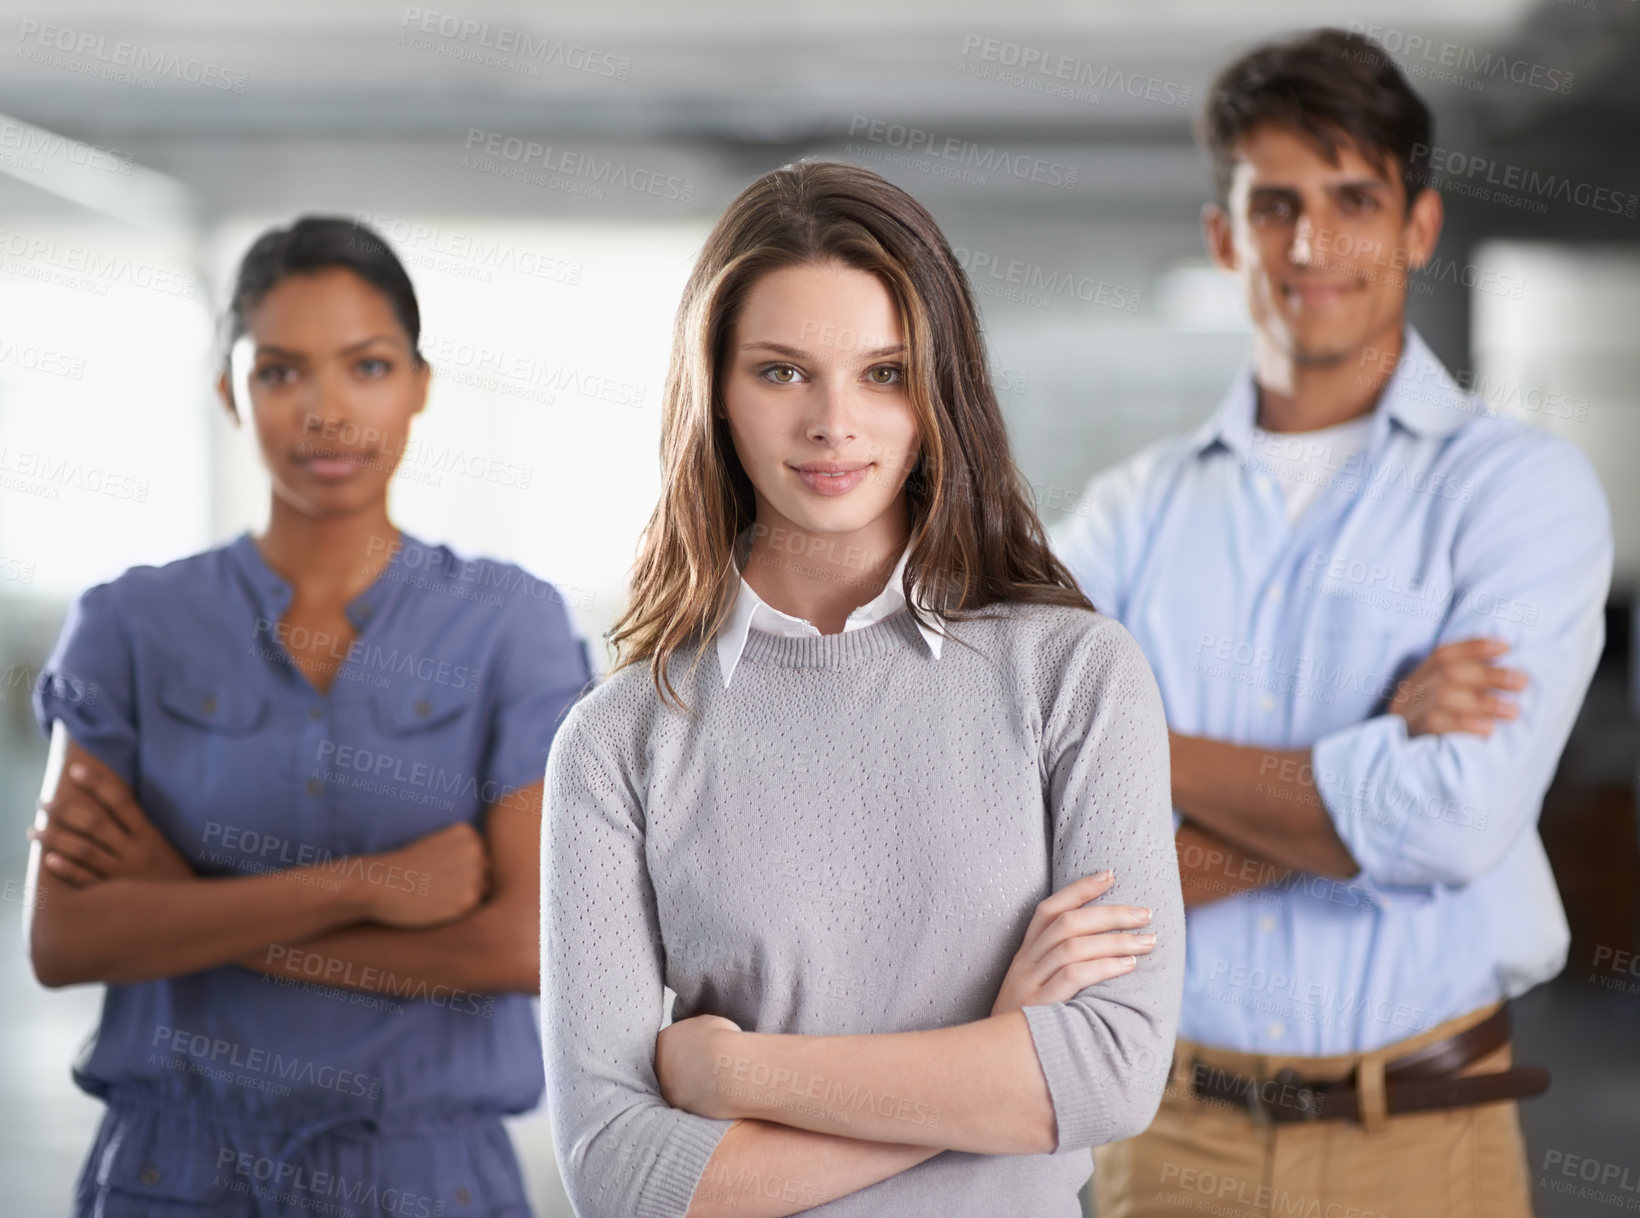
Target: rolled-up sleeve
(622, 1150)
(88, 683)
(543, 667)
(1105, 1053)
(1532, 566)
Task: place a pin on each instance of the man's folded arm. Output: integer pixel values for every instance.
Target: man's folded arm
(1532, 565)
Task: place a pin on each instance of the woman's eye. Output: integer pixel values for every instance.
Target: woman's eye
(780, 374)
(275, 374)
(374, 367)
(886, 374)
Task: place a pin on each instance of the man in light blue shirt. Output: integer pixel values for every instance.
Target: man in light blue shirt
(1321, 576)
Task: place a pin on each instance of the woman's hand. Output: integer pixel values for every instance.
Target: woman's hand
(687, 1066)
(433, 880)
(1068, 948)
(94, 830)
(1452, 690)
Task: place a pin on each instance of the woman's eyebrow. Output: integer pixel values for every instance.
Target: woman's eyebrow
(365, 342)
(287, 353)
(282, 352)
(796, 353)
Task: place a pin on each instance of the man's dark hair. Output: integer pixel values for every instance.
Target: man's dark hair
(1330, 84)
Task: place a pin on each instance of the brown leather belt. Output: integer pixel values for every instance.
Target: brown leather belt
(1422, 1080)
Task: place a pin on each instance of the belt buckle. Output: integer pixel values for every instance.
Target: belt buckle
(1256, 1109)
(1310, 1099)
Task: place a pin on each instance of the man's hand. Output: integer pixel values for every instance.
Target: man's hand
(1068, 947)
(1451, 691)
(686, 1063)
(94, 830)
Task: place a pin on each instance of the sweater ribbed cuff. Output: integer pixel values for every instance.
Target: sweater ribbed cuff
(680, 1165)
(1081, 1112)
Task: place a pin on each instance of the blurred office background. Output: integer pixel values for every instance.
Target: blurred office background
(548, 171)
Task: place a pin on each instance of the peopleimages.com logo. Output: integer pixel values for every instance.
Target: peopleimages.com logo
(1515, 185)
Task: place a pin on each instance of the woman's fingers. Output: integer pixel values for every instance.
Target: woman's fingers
(1071, 980)
(111, 794)
(1095, 947)
(1087, 960)
(1076, 894)
(67, 869)
(80, 819)
(1072, 896)
(1072, 944)
(1095, 919)
(1088, 920)
(86, 861)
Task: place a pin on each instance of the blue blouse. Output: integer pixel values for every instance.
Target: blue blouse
(177, 677)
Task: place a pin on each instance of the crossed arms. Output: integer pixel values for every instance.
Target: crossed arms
(109, 899)
(1072, 1054)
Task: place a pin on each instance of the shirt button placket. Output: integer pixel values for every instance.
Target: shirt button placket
(318, 729)
(1280, 670)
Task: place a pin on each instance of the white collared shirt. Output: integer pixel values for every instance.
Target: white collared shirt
(752, 610)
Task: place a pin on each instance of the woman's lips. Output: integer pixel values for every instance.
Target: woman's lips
(334, 468)
(832, 485)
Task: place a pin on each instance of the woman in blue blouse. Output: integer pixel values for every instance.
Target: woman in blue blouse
(292, 810)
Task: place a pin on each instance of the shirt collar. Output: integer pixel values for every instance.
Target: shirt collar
(272, 593)
(752, 610)
(1420, 396)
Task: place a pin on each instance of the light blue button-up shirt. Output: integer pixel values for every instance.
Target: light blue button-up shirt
(1451, 524)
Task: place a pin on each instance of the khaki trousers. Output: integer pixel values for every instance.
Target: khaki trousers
(1208, 1158)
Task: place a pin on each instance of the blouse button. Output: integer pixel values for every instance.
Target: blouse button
(463, 1196)
(424, 707)
(316, 712)
(315, 786)
(208, 706)
(150, 1175)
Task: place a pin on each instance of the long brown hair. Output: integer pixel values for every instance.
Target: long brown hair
(975, 539)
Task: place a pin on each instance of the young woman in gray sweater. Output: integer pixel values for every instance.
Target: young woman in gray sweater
(854, 782)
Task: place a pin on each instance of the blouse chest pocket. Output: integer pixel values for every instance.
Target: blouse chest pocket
(408, 712)
(221, 708)
(423, 768)
(210, 743)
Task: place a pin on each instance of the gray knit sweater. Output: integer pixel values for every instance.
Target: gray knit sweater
(851, 838)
